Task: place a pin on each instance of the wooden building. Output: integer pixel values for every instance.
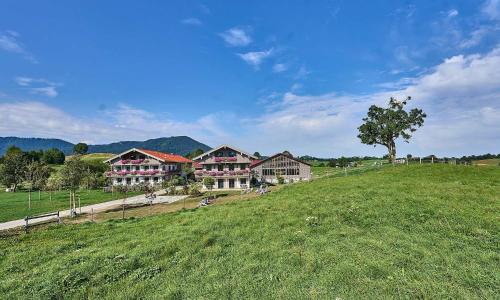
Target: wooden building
(281, 165)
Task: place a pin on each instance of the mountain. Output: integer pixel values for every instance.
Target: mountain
(176, 144)
(28, 144)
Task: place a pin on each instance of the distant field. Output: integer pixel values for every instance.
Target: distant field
(418, 231)
(95, 156)
(15, 205)
(488, 162)
(363, 166)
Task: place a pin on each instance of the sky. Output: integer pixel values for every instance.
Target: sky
(264, 76)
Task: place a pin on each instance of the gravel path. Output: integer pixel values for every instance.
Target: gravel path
(97, 208)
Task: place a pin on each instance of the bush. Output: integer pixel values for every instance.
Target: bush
(281, 179)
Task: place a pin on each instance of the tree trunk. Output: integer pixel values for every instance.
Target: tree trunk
(29, 199)
(392, 151)
(39, 195)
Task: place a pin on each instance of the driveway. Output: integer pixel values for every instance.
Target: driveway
(140, 199)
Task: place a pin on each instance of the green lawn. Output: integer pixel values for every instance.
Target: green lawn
(15, 205)
(429, 231)
(365, 165)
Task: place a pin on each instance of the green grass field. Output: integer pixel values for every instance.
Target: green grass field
(488, 162)
(15, 205)
(94, 156)
(429, 231)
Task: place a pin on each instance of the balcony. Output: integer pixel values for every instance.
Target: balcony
(134, 161)
(225, 159)
(138, 173)
(225, 173)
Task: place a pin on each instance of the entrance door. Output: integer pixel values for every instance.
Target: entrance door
(220, 183)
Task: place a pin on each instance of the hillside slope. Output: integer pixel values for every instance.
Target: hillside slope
(176, 144)
(28, 144)
(405, 232)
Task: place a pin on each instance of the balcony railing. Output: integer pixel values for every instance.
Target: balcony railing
(138, 173)
(224, 159)
(222, 173)
(134, 161)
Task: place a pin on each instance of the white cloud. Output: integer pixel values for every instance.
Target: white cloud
(452, 13)
(278, 68)
(460, 97)
(192, 21)
(492, 9)
(36, 119)
(236, 37)
(38, 86)
(255, 58)
(49, 91)
(9, 42)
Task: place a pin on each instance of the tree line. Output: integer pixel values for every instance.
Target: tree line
(30, 170)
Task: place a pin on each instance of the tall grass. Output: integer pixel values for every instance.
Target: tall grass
(399, 232)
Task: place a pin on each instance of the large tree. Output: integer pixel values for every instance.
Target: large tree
(384, 125)
(12, 168)
(80, 148)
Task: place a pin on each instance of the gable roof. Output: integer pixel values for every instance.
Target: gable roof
(224, 146)
(166, 157)
(276, 155)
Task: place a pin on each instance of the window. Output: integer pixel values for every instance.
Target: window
(155, 167)
(220, 183)
(231, 154)
(128, 168)
(155, 179)
(243, 166)
(119, 180)
(231, 183)
(137, 179)
(118, 168)
(243, 181)
(231, 167)
(137, 168)
(146, 167)
(220, 168)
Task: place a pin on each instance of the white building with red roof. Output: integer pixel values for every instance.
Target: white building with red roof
(136, 166)
(228, 165)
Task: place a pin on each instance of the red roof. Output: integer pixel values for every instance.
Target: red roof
(167, 157)
(254, 162)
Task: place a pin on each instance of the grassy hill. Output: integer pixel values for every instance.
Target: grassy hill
(429, 231)
(94, 156)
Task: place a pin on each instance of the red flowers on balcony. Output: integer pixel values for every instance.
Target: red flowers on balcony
(223, 159)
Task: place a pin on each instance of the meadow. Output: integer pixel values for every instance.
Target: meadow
(14, 206)
(418, 231)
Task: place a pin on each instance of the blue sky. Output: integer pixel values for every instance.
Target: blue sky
(264, 75)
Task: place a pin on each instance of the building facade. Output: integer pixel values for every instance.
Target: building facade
(281, 165)
(140, 166)
(229, 166)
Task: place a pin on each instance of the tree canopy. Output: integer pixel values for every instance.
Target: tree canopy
(80, 148)
(384, 125)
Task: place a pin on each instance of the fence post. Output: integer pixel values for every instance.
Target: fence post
(92, 214)
(26, 226)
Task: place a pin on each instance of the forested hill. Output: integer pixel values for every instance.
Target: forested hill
(175, 144)
(28, 144)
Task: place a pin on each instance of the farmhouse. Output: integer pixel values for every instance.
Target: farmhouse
(137, 166)
(281, 165)
(229, 166)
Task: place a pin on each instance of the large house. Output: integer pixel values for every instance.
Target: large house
(137, 166)
(281, 165)
(229, 166)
